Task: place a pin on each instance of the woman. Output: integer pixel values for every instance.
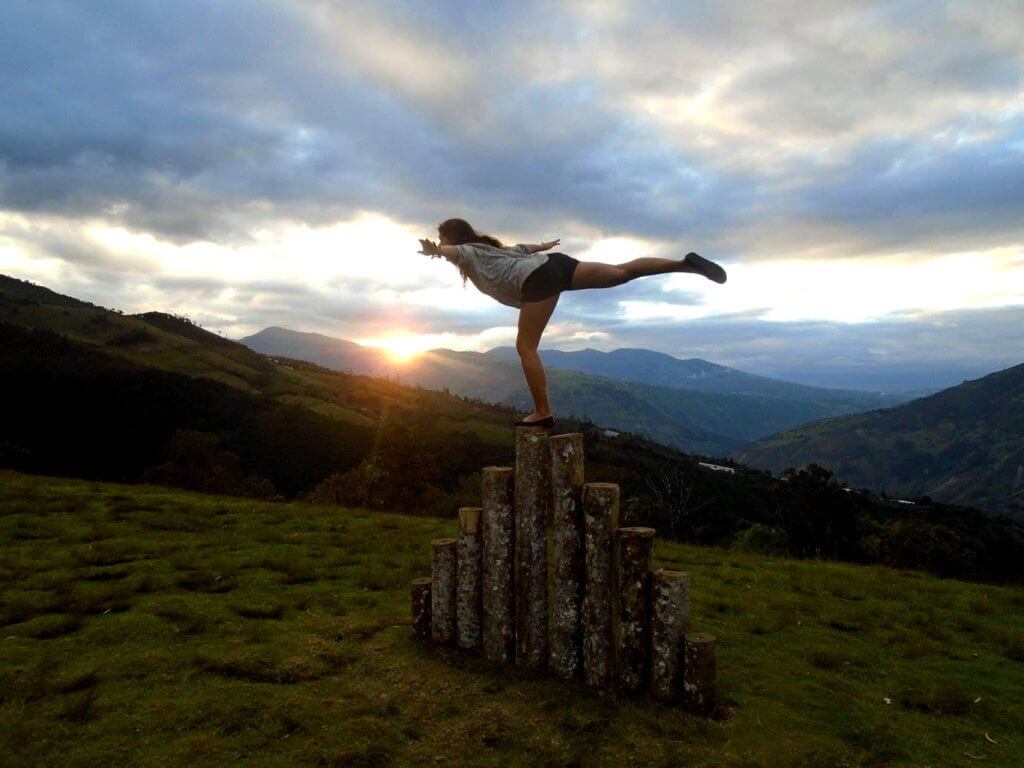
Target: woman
(523, 277)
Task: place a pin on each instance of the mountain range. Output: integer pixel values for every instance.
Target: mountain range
(963, 445)
(694, 405)
(155, 398)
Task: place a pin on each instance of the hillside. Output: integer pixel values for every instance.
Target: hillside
(151, 627)
(154, 398)
(964, 445)
(110, 396)
(695, 406)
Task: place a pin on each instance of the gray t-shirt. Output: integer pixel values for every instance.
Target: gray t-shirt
(499, 272)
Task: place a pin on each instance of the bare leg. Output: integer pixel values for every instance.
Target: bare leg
(533, 319)
(594, 274)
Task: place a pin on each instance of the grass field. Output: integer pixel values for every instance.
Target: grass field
(144, 626)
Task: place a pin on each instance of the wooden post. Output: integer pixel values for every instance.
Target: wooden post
(442, 595)
(421, 607)
(565, 637)
(499, 553)
(601, 519)
(633, 627)
(532, 499)
(670, 618)
(700, 681)
(468, 582)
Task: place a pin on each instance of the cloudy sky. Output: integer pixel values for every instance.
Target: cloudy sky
(858, 168)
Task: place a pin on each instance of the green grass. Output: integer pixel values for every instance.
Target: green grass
(143, 626)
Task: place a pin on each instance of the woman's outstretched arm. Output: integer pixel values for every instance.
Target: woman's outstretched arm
(542, 246)
(430, 248)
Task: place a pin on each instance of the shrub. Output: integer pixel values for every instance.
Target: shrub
(765, 539)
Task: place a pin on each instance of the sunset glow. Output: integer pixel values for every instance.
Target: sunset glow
(849, 165)
(403, 347)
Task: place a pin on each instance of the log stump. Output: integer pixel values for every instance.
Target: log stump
(468, 581)
(532, 500)
(565, 656)
(633, 627)
(421, 607)
(601, 519)
(700, 677)
(670, 617)
(499, 553)
(442, 594)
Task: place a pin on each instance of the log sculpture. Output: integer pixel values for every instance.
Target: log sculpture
(468, 581)
(498, 598)
(633, 628)
(565, 632)
(532, 499)
(670, 617)
(421, 607)
(601, 516)
(608, 619)
(700, 676)
(442, 594)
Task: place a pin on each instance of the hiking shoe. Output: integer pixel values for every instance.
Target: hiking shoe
(547, 423)
(705, 267)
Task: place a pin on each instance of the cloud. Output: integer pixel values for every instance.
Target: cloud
(207, 159)
(206, 122)
(924, 351)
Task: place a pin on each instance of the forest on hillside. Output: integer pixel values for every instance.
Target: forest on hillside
(79, 411)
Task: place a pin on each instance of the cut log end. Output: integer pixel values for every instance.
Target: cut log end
(700, 679)
(670, 616)
(469, 519)
(442, 594)
(421, 607)
(632, 628)
(532, 511)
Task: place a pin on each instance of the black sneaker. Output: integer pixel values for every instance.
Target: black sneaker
(547, 423)
(705, 267)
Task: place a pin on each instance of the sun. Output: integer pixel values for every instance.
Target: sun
(402, 347)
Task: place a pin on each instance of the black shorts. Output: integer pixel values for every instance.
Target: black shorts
(551, 277)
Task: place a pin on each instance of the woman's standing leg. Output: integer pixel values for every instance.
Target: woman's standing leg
(533, 319)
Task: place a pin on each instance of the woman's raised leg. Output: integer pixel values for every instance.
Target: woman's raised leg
(594, 274)
(533, 319)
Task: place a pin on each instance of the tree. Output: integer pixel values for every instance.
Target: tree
(677, 499)
(819, 515)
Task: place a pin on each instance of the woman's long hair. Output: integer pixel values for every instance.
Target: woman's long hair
(460, 232)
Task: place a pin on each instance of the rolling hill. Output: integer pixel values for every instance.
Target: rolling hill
(693, 405)
(964, 445)
(118, 397)
(145, 626)
(155, 398)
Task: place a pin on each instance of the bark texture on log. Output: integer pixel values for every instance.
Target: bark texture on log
(700, 678)
(421, 607)
(532, 500)
(468, 582)
(633, 627)
(565, 633)
(601, 519)
(670, 617)
(498, 597)
(442, 595)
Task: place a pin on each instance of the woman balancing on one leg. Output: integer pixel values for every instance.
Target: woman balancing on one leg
(521, 276)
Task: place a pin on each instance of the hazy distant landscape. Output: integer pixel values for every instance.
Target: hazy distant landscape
(964, 445)
(694, 405)
(159, 399)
